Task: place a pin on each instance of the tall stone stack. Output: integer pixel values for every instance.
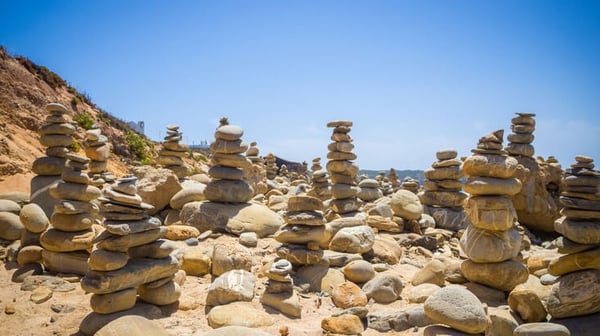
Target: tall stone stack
(271, 166)
(491, 240)
(70, 238)
(228, 164)
(97, 148)
(442, 197)
(394, 180)
(56, 135)
(342, 170)
(173, 151)
(537, 204)
(304, 231)
(320, 187)
(279, 292)
(577, 291)
(130, 258)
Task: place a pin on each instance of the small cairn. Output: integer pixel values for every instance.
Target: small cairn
(271, 166)
(410, 184)
(304, 231)
(316, 165)
(279, 292)
(492, 239)
(442, 197)
(67, 242)
(283, 171)
(394, 180)
(56, 135)
(252, 154)
(342, 170)
(320, 185)
(369, 190)
(520, 140)
(228, 164)
(577, 291)
(97, 148)
(173, 151)
(130, 258)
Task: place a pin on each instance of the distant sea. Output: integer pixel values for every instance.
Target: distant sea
(416, 174)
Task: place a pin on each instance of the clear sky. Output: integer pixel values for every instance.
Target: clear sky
(413, 76)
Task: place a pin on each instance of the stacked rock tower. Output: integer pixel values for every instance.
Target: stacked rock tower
(252, 154)
(56, 135)
(271, 166)
(68, 242)
(129, 257)
(519, 142)
(228, 164)
(97, 148)
(394, 180)
(442, 197)
(492, 240)
(173, 151)
(320, 185)
(577, 291)
(279, 292)
(342, 170)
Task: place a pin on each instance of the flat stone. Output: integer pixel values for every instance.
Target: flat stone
(60, 241)
(113, 302)
(239, 314)
(104, 260)
(93, 322)
(234, 285)
(490, 166)
(500, 275)
(131, 227)
(74, 191)
(40, 295)
(66, 262)
(229, 132)
(541, 329)
(120, 243)
(166, 294)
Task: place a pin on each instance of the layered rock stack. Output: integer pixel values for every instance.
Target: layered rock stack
(442, 196)
(320, 185)
(410, 184)
(271, 166)
(252, 154)
(316, 165)
(304, 231)
(537, 203)
(577, 291)
(228, 164)
(97, 148)
(279, 292)
(68, 242)
(394, 180)
(256, 175)
(492, 240)
(56, 135)
(342, 170)
(129, 258)
(173, 151)
(369, 190)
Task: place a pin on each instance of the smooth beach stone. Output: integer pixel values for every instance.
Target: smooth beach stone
(446, 163)
(526, 300)
(33, 218)
(109, 206)
(448, 199)
(234, 285)
(347, 324)
(188, 194)
(239, 314)
(60, 241)
(343, 206)
(579, 214)
(137, 272)
(163, 295)
(230, 191)
(369, 194)
(368, 183)
(93, 323)
(130, 227)
(446, 173)
(66, 262)
(567, 246)
(56, 108)
(29, 238)
(304, 203)
(299, 254)
(341, 156)
(228, 257)
(384, 224)
(348, 295)
(119, 243)
(175, 146)
(579, 203)
(341, 178)
(494, 213)
(575, 262)
(490, 166)
(48, 165)
(357, 239)
(122, 197)
(522, 138)
(113, 302)
(501, 275)
(30, 254)
(476, 185)
(520, 149)
(522, 128)
(116, 216)
(72, 223)
(300, 234)
(69, 207)
(343, 191)
(523, 118)
(169, 160)
(406, 204)
(582, 232)
(541, 329)
(359, 271)
(384, 288)
(74, 191)
(342, 167)
(582, 180)
(228, 147)
(483, 246)
(127, 188)
(458, 308)
(339, 137)
(433, 272)
(132, 325)
(338, 123)
(446, 154)
(98, 166)
(159, 248)
(53, 140)
(343, 146)
(284, 302)
(104, 260)
(226, 173)
(10, 206)
(229, 132)
(98, 153)
(56, 128)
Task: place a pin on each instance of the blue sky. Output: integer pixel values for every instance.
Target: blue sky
(413, 76)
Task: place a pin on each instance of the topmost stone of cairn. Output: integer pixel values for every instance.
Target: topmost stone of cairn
(491, 144)
(337, 123)
(229, 132)
(56, 108)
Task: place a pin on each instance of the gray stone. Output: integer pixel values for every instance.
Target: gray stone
(457, 307)
(234, 285)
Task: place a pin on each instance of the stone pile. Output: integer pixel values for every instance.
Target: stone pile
(130, 258)
(304, 231)
(271, 166)
(320, 187)
(316, 165)
(394, 180)
(228, 164)
(56, 135)
(283, 171)
(97, 148)
(492, 240)
(173, 151)
(410, 184)
(442, 196)
(279, 292)
(342, 170)
(68, 242)
(369, 190)
(252, 154)
(520, 140)
(577, 291)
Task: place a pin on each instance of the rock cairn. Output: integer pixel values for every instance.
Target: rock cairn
(394, 180)
(369, 190)
(492, 240)
(279, 292)
(342, 170)
(442, 196)
(173, 151)
(228, 164)
(320, 185)
(97, 148)
(577, 291)
(537, 205)
(252, 154)
(56, 135)
(130, 258)
(316, 165)
(304, 231)
(283, 171)
(68, 242)
(410, 184)
(271, 166)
